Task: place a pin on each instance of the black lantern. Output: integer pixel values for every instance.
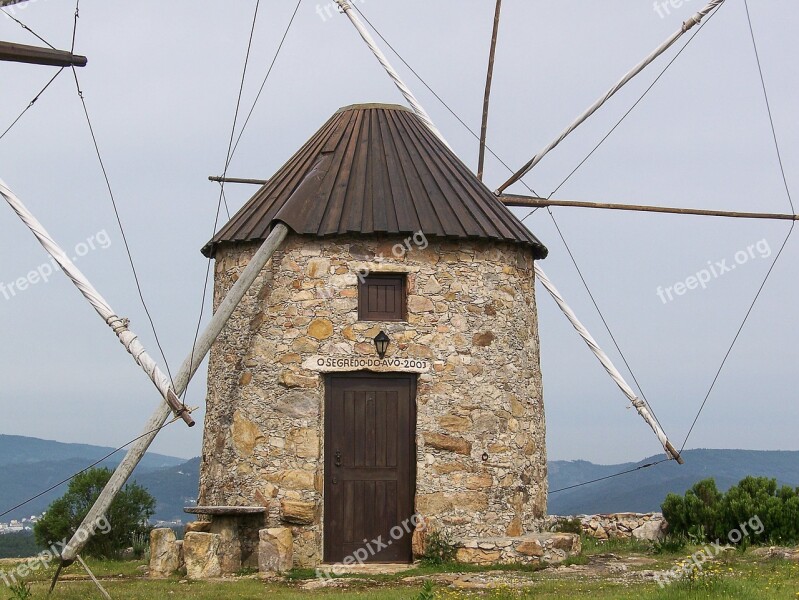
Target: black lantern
(381, 343)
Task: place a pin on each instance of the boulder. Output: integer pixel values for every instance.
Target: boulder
(275, 551)
(199, 527)
(297, 512)
(164, 553)
(651, 530)
(201, 552)
(477, 556)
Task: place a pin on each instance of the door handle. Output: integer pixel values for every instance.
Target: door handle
(338, 458)
(335, 480)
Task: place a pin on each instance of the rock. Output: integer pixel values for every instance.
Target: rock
(483, 339)
(164, 553)
(201, 551)
(321, 329)
(439, 502)
(419, 539)
(317, 267)
(515, 527)
(295, 480)
(304, 442)
(246, 378)
(531, 547)
(477, 556)
(305, 344)
(570, 542)
(299, 405)
(297, 512)
(454, 423)
(419, 304)
(292, 380)
(449, 443)
(275, 551)
(479, 482)
(198, 527)
(245, 434)
(650, 530)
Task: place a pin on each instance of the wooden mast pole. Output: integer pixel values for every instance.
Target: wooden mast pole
(516, 200)
(34, 55)
(487, 98)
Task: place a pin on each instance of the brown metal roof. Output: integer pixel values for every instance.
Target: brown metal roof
(376, 168)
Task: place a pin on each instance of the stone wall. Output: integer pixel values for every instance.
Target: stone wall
(481, 458)
(642, 526)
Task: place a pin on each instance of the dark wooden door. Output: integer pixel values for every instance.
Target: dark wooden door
(370, 466)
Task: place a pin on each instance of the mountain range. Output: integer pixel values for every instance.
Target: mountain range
(30, 465)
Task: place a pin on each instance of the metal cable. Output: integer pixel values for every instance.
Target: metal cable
(91, 466)
(738, 334)
(263, 83)
(576, 485)
(222, 197)
(28, 29)
(784, 243)
(32, 102)
(602, 316)
(768, 106)
(114, 204)
(437, 97)
(626, 114)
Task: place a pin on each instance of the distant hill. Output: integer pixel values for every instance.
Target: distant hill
(30, 465)
(18, 450)
(645, 490)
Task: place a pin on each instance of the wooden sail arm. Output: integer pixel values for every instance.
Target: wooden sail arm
(531, 201)
(34, 55)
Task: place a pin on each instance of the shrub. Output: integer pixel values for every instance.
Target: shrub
(21, 591)
(705, 514)
(126, 517)
(427, 593)
(439, 549)
(573, 525)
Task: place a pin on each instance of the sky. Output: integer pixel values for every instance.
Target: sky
(161, 89)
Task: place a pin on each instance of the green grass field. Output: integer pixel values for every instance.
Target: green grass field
(619, 571)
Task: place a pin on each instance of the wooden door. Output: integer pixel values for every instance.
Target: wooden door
(370, 466)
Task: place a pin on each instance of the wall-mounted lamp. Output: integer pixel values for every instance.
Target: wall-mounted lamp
(381, 343)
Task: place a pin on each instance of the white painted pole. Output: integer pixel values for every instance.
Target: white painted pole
(187, 371)
(404, 89)
(689, 24)
(639, 404)
(119, 325)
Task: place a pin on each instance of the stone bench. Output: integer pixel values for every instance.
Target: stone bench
(236, 548)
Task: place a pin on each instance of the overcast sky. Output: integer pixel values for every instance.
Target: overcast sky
(161, 88)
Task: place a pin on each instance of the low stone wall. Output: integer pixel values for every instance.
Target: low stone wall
(641, 526)
(527, 549)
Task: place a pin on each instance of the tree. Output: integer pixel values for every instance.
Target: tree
(127, 516)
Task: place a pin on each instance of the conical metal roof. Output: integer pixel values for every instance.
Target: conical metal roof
(375, 168)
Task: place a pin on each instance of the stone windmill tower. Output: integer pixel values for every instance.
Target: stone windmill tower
(386, 362)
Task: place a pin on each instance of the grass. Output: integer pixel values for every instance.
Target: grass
(741, 575)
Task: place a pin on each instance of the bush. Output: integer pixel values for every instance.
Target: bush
(756, 507)
(574, 525)
(126, 517)
(439, 549)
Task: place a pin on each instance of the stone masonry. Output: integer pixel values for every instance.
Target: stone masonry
(481, 457)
